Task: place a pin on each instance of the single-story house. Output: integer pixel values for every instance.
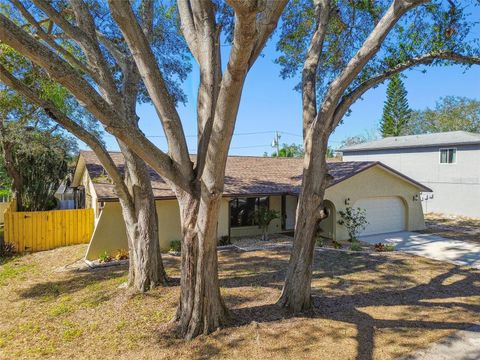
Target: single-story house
(391, 199)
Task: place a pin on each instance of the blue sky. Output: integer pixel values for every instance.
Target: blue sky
(270, 104)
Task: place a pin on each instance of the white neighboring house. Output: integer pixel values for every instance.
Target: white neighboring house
(448, 163)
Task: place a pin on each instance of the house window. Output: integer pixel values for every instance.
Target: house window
(448, 156)
(242, 210)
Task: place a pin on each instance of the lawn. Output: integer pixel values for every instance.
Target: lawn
(453, 227)
(367, 306)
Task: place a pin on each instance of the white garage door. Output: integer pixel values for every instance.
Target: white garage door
(384, 214)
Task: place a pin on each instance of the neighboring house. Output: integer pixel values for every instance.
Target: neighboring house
(448, 163)
(391, 199)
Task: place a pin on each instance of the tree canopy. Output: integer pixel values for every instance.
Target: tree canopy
(451, 113)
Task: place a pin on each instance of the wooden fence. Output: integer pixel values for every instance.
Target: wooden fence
(45, 230)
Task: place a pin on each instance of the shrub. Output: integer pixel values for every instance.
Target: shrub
(320, 241)
(121, 254)
(175, 245)
(6, 250)
(384, 247)
(224, 240)
(355, 220)
(263, 217)
(104, 258)
(389, 247)
(355, 246)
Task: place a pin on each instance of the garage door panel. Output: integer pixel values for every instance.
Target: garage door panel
(384, 214)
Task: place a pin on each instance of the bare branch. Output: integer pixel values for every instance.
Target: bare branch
(310, 66)
(50, 41)
(426, 59)
(266, 24)
(154, 82)
(60, 118)
(91, 48)
(188, 26)
(109, 116)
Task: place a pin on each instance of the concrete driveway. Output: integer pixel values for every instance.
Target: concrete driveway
(434, 247)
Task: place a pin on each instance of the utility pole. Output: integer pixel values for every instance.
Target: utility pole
(276, 142)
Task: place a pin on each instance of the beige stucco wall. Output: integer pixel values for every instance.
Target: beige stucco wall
(376, 182)
(110, 234)
(274, 227)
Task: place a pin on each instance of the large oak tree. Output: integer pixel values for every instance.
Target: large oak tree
(86, 71)
(343, 49)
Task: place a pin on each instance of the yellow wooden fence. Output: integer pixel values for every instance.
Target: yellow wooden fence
(45, 230)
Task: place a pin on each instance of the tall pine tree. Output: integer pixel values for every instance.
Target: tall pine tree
(396, 112)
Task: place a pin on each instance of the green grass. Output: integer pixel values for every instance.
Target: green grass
(13, 271)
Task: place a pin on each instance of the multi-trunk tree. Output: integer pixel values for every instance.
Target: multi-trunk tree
(343, 49)
(102, 69)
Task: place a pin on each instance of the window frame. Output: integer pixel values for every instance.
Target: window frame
(255, 207)
(454, 149)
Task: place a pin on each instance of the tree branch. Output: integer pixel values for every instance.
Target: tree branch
(114, 122)
(154, 82)
(50, 41)
(426, 59)
(368, 49)
(266, 24)
(60, 118)
(310, 66)
(187, 26)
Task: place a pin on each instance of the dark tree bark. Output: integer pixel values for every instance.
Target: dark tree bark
(296, 293)
(146, 267)
(201, 309)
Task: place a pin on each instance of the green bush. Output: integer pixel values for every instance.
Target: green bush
(175, 245)
(104, 258)
(320, 242)
(389, 247)
(354, 220)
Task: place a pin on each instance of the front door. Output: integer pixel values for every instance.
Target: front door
(290, 211)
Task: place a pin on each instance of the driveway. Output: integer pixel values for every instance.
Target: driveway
(431, 246)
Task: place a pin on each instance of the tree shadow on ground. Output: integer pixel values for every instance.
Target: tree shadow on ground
(348, 308)
(83, 279)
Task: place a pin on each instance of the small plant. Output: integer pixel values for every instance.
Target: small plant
(320, 242)
(6, 250)
(104, 258)
(224, 240)
(355, 220)
(175, 246)
(121, 254)
(389, 247)
(263, 217)
(336, 244)
(355, 246)
(384, 247)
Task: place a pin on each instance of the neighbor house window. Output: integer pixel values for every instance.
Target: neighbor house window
(242, 210)
(448, 156)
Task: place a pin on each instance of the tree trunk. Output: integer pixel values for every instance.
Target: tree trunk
(17, 179)
(146, 267)
(296, 293)
(201, 309)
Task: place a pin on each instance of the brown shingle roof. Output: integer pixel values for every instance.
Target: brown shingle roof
(245, 175)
